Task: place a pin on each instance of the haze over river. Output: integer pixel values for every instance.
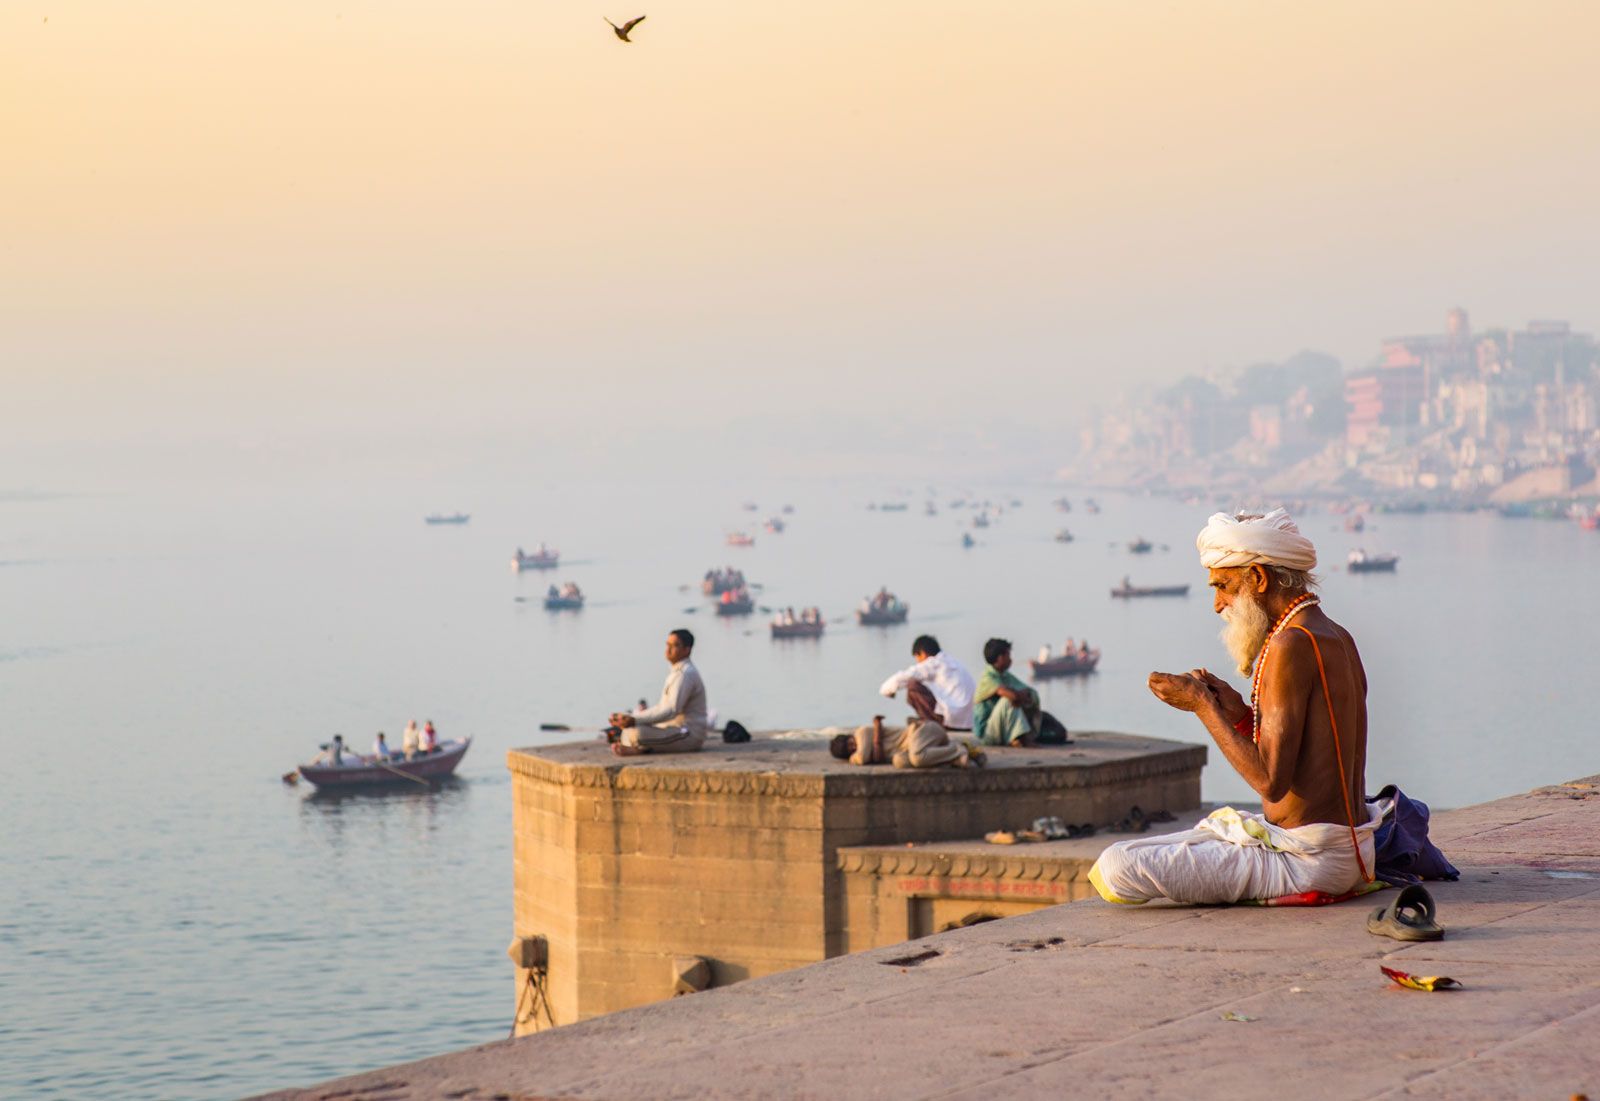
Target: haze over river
(176, 923)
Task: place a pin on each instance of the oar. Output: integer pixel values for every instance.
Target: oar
(398, 772)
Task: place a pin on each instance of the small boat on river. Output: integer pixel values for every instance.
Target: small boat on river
(880, 612)
(1140, 545)
(360, 772)
(1362, 562)
(717, 582)
(1063, 536)
(736, 602)
(447, 518)
(741, 539)
(542, 558)
(1067, 665)
(565, 602)
(1125, 591)
(798, 629)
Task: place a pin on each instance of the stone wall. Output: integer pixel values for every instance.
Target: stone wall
(731, 854)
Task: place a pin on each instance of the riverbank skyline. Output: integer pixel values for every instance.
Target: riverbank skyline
(378, 222)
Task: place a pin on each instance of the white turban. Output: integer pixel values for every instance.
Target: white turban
(1272, 540)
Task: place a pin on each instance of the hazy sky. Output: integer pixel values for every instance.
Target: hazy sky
(276, 222)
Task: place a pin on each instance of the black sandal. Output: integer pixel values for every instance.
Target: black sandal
(1409, 916)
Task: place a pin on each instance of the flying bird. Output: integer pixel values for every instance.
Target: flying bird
(622, 31)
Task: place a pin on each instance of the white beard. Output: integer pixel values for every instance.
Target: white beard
(1244, 630)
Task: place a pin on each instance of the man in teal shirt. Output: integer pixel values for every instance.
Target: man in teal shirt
(1004, 710)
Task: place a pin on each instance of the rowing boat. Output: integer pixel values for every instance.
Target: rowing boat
(882, 617)
(1068, 665)
(357, 772)
(1362, 562)
(1123, 592)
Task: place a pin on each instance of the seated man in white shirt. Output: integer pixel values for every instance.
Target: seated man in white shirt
(938, 687)
(678, 722)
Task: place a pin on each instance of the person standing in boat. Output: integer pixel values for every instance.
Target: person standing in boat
(430, 738)
(411, 740)
(332, 753)
(380, 748)
(678, 723)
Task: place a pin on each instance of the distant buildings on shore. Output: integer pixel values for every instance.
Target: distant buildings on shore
(1497, 416)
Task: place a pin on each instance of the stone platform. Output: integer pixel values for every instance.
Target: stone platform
(1094, 1000)
(628, 867)
(900, 892)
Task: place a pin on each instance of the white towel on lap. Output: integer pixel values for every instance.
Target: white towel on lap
(1231, 856)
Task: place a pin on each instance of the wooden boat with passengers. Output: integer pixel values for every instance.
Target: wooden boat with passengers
(1067, 665)
(1126, 591)
(882, 616)
(798, 629)
(357, 772)
(543, 558)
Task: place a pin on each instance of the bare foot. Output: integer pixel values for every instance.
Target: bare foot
(626, 750)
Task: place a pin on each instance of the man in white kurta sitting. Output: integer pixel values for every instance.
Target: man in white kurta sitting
(1300, 742)
(678, 722)
(937, 686)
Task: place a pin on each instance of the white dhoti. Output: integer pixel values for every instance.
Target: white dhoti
(1233, 856)
(664, 739)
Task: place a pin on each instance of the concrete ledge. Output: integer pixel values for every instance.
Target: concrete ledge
(792, 766)
(1089, 999)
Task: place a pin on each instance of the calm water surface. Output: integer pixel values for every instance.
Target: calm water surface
(175, 923)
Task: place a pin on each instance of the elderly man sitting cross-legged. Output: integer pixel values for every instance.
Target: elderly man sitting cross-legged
(1300, 742)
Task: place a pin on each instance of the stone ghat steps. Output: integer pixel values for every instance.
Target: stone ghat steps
(1088, 999)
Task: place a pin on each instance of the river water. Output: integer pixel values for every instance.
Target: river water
(176, 923)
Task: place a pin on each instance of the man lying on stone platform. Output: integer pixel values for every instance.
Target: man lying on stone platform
(678, 722)
(922, 744)
(1300, 742)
